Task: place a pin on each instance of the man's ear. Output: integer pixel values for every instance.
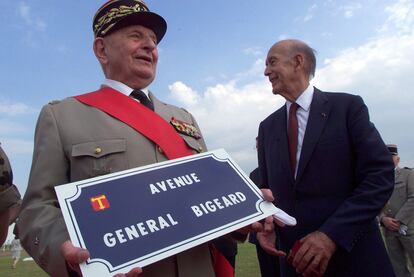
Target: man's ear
(99, 50)
(299, 61)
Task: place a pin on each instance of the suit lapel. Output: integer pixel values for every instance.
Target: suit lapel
(318, 116)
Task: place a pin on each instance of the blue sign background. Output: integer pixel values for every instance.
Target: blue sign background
(131, 202)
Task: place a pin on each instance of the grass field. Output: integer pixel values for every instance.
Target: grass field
(246, 262)
(23, 268)
(246, 265)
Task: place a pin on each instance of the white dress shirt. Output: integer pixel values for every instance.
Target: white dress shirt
(304, 101)
(121, 87)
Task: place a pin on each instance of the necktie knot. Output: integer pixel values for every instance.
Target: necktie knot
(142, 98)
(293, 108)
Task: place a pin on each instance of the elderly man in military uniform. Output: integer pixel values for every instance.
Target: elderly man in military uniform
(9, 197)
(397, 218)
(120, 126)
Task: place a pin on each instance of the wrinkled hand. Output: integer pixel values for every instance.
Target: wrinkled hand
(267, 241)
(313, 256)
(74, 256)
(267, 236)
(268, 196)
(391, 223)
(267, 224)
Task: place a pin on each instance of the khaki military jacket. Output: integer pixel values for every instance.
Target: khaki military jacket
(73, 142)
(9, 195)
(401, 203)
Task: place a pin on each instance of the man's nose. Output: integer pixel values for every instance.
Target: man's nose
(149, 43)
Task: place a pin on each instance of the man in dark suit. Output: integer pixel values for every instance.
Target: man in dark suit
(327, 166)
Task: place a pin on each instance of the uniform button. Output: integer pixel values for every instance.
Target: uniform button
(200, 148)
(160, 150)
(98, 150)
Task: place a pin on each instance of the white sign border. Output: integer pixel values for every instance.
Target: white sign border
(100, 267)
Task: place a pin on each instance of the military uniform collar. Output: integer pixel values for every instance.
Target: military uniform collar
(121, 87)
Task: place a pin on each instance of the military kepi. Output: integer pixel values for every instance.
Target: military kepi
(393, 149)
(116, 14)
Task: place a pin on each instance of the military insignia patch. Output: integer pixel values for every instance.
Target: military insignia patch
(185, 128)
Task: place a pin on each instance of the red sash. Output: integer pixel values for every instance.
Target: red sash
(222, 267)
(156, 129)
(139, 117)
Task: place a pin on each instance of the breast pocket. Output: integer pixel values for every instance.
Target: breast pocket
(193, 143)
(96, 158)
(400, 190)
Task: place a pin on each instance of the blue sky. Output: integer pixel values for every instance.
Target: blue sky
(212, 63)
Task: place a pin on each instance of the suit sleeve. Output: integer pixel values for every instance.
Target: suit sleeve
(41, 226)
(405, 214)
(374, 180)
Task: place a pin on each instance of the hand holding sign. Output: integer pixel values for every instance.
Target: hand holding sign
(74, 256)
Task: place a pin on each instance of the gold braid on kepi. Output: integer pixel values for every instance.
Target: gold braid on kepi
(116, 14)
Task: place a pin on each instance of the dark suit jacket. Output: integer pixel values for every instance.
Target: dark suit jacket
(345, 176)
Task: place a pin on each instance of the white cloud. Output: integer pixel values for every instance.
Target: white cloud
(8, 127)
(401, 17)
(327, 34)
(257, 70)
(183, 93)
(229, 114)
(254, 51)
(24, 11)
(350, 9)
(310, 13)
(34, 23)
(308, 17)
(283, 36)
(381, 68)
(31, 24)
(17, 147)
(13, 109)
(16, 122)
